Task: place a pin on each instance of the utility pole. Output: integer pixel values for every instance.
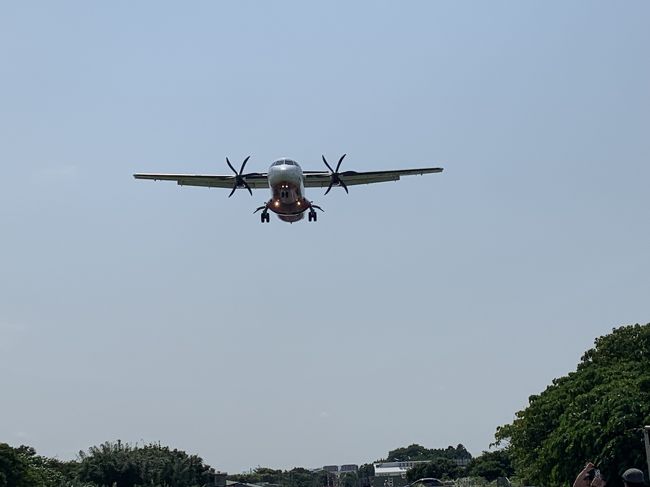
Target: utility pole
(646, 434)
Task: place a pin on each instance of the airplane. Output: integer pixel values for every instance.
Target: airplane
(287, 182)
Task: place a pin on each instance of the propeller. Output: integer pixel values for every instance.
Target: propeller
(240, 178)
(335, 175)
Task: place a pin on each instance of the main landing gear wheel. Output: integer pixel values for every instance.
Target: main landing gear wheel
(264, 217)
(313, 216)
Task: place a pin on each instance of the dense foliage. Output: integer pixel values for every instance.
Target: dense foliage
(13, 467)
(440, 464)
(22, 467)
(122, 465)
(366, 474)
(417, 452)
(110, 464)
(441, 461)
(595, 413)
(297, 477)
(491, 465)
(439, 468)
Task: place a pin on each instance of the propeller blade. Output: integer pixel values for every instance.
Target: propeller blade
(230, 166)
(247, 186)
(340, 161)
(243, 164)
(234, 188)
(335, 175)
(328, 166)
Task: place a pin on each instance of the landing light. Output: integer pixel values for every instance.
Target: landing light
(277, 203)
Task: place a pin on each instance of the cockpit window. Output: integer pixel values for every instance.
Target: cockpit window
(288, 162)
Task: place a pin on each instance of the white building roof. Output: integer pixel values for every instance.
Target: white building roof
(389, 470)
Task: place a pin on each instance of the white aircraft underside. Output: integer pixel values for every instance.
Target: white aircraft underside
(287, 182)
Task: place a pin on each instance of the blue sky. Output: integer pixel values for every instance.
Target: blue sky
(424, 311)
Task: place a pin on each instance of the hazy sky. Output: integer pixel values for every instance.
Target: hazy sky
(423, 311)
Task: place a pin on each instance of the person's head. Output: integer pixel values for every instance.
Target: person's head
(633, 477)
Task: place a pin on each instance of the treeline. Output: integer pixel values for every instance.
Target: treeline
(22, 467)
(110, 464)
(296, 477)
(440, 462)
(419, 453)
(122, 465)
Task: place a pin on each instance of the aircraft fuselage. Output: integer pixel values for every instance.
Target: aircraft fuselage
(287, 184)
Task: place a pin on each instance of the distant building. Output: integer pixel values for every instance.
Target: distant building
(336, 470)
(393, 474)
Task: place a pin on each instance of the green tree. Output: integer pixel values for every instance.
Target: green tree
(491, 465)
(594, 413)
(439, 468)
(366, 474)
(13, 468)
(412, 452)
(122, 465)
(349, 479)
(110, 464)
(459, 452)
(298, 477)
(260, 474)
(22, 467)
(417, 452)
(323, 478)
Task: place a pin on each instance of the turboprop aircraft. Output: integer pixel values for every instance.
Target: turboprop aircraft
(287, 182)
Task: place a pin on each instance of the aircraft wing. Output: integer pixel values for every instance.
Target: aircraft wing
(321, 179)
(255, 180)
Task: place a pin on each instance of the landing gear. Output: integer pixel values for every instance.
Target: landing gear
(313, 216)
(264, 217)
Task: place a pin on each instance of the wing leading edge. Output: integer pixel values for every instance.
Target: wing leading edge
(320, 179)
(255, 181)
